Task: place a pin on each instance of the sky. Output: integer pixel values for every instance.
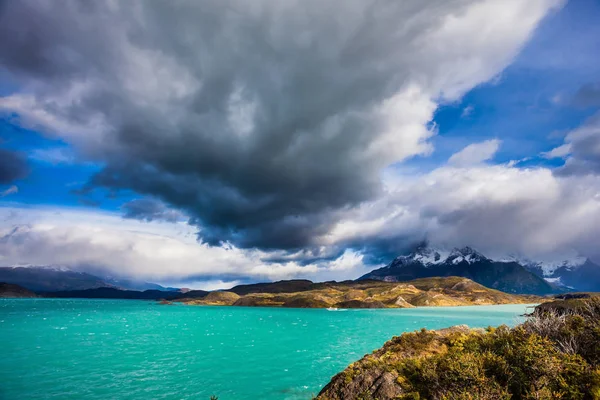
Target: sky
(209, 143)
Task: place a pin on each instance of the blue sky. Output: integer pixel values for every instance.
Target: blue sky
(531, 105)
(273, 149)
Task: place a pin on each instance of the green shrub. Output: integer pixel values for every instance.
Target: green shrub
(552, 359)
(555, 354)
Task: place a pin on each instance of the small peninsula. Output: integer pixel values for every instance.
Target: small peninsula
(438, 291)
(553, 355)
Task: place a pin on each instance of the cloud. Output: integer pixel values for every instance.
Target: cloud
(588, 95)
(12, 166)
(581, 149)
(467, 111)
(104, 243)
(497, 209)
(263, 121)
(150, 210)
(475, 153)
(558, 152)
(11, 190)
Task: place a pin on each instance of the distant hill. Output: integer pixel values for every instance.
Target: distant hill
(114, 293)
(131, 284)
(436, 291)
(46, 279)
(293, 285)
(446, 291)
(425, 262)
(9, 290)
(57, 278)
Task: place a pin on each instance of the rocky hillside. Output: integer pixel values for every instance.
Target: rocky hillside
(8, 290)
(553, 355)
(424, 262)
(448, 291)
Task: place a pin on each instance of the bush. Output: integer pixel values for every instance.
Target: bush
(555, 354)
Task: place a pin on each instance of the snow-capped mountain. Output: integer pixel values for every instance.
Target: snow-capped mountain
(547, 268)
(424, 262)
(430, 257)
(574, 273)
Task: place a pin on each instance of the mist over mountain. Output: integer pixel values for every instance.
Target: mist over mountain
(58, 278)
(511, 274)
(577, 273)
(424, 262)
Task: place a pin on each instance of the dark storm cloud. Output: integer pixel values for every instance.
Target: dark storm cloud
(150, 210)
(266, 138)
(584, 149)
(12, 166)
(261, 120)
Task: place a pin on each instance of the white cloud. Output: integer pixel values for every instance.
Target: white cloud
(10, 190)
(558, 152)
(581, 149)
(498, 209)
(467, 111)
(475, 153)
(104, 243)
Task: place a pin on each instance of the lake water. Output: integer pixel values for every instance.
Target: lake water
(125, 349)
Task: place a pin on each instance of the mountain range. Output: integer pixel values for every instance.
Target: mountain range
(58, 278)
(578, 273)
(511, 275)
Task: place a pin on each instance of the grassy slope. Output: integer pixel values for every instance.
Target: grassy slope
(448, 291)
(555, 354)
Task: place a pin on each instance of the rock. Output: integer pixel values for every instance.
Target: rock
(373, 384)
(400, 302)
(372, 378)
(432, 298)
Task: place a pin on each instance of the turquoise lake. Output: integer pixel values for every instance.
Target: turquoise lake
(126, 349)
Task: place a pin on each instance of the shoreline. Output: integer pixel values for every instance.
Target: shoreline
(528, 305)
(561, 359)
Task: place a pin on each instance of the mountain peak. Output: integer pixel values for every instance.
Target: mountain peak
(429, 256)
(467, 254)
(425, 255)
